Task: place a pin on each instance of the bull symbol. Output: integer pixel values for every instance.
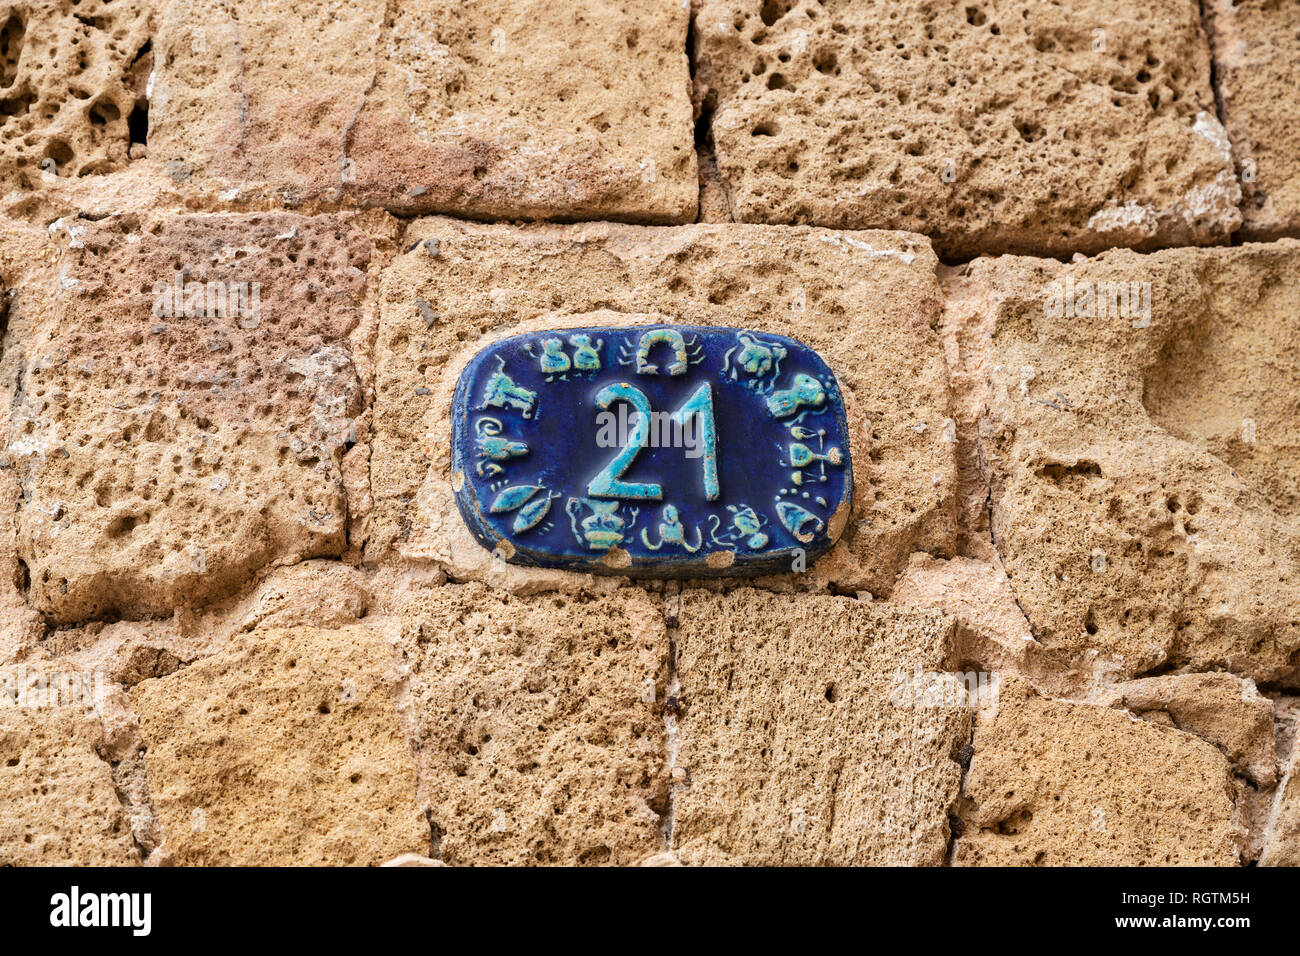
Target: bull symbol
(502, 392)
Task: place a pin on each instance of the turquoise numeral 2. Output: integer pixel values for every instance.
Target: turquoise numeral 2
(608, 483)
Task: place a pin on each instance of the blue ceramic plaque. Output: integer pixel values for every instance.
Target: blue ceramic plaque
(659, 450)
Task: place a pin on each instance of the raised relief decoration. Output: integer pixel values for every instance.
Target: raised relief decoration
(654, 450)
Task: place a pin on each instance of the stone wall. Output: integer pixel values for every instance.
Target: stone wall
(1050, 252)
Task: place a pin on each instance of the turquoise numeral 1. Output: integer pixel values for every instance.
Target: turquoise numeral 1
(608, 483)
(701, 404)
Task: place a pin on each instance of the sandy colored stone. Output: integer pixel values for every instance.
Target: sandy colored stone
(28, 283)
(867, 302)
(991, 126)
(163, 461)
(319, 593)
(992, 632)
(72, 72)
(794, 746)
(1055, 783)
(1144, 486)
(489, 108)
(1222, 709)
(1257, 62)
(126, 651)
(60, 807)
(412, 859)
(286, 748)
(540, 730)
(1282, 831)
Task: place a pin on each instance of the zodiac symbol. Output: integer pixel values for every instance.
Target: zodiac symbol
(796, 519)
(747, 523)
(603, 528)
(760, 359)
(806, 390)
(492, 448)
(671, 531)
(553, 360)
(684, 353)
(801, 456)
(523, 499)
(502, 392)
(586, 356)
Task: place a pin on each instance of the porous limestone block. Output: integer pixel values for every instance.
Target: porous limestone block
(1219, 708)
(1061, 783)
(866, 302)
(796, 741)
(488, 108)
(56, 783)
(167, 454)
(72, 73)
(285, 748)
(1257, 71)
(1142, 460)
(989, 125)
(539, 724)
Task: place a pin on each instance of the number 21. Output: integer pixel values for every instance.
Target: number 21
(609, 484)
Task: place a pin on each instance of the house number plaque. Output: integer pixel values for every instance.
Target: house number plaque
(658, 450)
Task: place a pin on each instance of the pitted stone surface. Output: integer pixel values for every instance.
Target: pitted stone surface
(1257, 62)
(72, 73)
(163, 460)
(491, 108)
(59, 804)
(795, 746)
(539, 724)
(997, 125)
(285, 748)
(1143, 496)
(1055, 782)
(866, 302)
(1221, 709)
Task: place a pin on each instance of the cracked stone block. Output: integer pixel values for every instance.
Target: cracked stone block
(795, 743)
(989, 125)
(992, 632)
(540, 731)
(1140, 441)
(1219, 708)
(1055, 783)
(866, 302)
(56, 785)
(170, 444)
(1257, 62)
(488, 108)
(72, 87)
(285, 748)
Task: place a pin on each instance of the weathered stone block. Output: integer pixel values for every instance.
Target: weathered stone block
(1257, 70)
(1219, 708)
(72, 74)
(796, 743)
(491, 108)
(285, 748)
(168, 450)
(1142, 456)
(998, 125)
(60, 807)
(1057, 783)
(539, 724)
